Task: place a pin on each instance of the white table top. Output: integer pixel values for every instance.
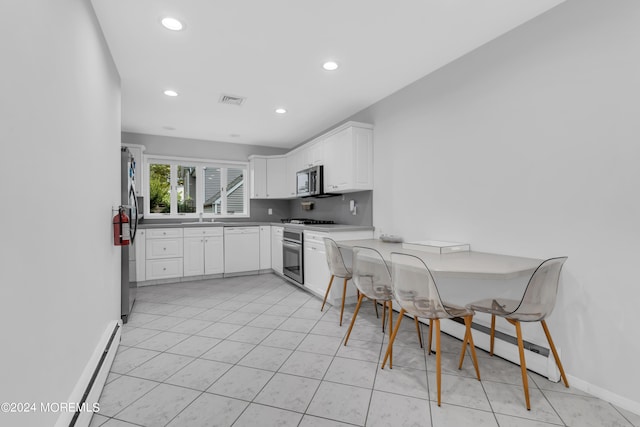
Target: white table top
(470, 264)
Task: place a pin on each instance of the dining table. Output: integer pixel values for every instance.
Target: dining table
(463, 277)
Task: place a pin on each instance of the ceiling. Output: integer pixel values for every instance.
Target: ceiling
(271, 52)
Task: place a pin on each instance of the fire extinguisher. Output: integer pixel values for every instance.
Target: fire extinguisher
(121, 228)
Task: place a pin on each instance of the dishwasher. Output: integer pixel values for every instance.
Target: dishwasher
(241, 249)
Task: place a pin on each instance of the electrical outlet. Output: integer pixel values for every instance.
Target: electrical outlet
(270, 211)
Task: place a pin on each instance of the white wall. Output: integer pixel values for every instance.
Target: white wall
(60, 166)
(529, 146)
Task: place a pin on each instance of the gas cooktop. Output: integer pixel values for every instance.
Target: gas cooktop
(305, 221)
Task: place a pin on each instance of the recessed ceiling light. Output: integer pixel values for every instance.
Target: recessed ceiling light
(170, 92)
(330, 65)
(168, 127)
(172, 24)
(281, 111)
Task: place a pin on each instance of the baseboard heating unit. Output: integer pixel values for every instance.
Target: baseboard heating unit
(539, 359)
(89, 387)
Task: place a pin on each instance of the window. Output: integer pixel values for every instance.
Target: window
(195, 187)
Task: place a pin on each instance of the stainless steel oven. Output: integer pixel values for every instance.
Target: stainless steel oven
(292, 255)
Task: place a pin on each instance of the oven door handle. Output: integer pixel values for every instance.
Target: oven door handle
(291, 245)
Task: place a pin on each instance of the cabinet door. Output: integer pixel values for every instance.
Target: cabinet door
(276, 177)
(276, 249)
(265, 247)
(316, 270)
(258, 174)
(295, 163)
(315, 153)
(213, 255)
(193, 256)
(338, 165)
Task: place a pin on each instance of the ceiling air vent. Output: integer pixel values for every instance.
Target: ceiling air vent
(231, 99)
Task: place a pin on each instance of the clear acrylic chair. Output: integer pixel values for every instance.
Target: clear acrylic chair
(414, 288)
(373, 280)
(338, 268)
(536, 304)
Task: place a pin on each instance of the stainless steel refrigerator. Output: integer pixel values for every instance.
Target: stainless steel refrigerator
(129, 200)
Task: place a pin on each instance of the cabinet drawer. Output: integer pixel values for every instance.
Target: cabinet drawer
(164, 248)
(163, 233)
(203, 231)
(315, 237)
(164, 268)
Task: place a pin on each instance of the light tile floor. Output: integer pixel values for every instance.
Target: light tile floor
(257, 351)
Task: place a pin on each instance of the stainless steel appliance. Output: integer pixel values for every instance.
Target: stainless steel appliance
(129, 200)
(309, 182)
(292, 263)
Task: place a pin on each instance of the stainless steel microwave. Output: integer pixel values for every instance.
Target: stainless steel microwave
(309, 182)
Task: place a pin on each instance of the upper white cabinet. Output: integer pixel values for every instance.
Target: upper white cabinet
(346, 153)
(314, 153)
(268, 177)
(295, 163)
(348, 159)
(276, 177)
(258, 177)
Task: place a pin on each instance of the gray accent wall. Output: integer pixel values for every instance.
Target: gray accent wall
(337, 208)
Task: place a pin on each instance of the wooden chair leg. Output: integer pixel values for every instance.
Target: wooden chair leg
(430, 335)
(391, 329)
(327, 293)
(467, 321)
(384, 315)
(523, 363)
(418, 329)
(438, 358)
(344, 296)
(463, 351)
(392, 337)
(555, 353)
(492, 336)
(353, 320)
(375, 305)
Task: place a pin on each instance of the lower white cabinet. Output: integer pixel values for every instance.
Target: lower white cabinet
(241, 249)
(316, 270)
(163, 255)
(265, 247)
(276, 248)
(203, 251)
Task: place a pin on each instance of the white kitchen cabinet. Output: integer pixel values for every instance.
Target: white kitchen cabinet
(276, 248)
(203, 251)
(315, 153)
(348, 160)
(241, 249)
(277, 177)
(316, 269)
(295, 163)
(163, 253)
(258, 177)
(265, 247)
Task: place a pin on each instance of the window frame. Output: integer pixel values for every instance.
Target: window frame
(199, 165)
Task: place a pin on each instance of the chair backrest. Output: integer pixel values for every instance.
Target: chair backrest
(540, 295)
(414, 287)
(371, 274)
(334, 259)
